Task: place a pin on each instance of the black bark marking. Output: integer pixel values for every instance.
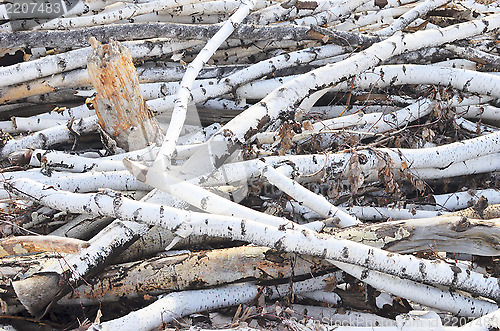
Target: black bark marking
(345, 252)
(456, 270)
(422, 268)
(136, 213)
(243, 227)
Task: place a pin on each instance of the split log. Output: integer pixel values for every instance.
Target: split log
(454, 234)
(194, 271)
(30, 244)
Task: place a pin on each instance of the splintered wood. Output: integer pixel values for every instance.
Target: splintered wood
(123, 114)
(251, 165)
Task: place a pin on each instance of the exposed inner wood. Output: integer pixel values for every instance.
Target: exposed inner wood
(122, 111)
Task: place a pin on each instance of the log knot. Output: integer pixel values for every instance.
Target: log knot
(462, 225)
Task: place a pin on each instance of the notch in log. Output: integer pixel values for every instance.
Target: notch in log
(119, 105)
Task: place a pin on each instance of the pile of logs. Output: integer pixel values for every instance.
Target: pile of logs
(216, 164)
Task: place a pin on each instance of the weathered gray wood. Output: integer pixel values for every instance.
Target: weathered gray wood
(454, 234)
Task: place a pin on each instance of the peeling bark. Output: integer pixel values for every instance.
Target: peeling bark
(454, 234)
(194, 271)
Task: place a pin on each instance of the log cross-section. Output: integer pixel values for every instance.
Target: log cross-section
(119, 105)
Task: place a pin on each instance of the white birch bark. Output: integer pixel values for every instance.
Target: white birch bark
(483, 8)
(382, 16)
(284, 99)
(126, 12)
(475, 55)
(51, 136)
(73, 163)
(372, 6)
(300, 241)
(90, 181)
(207, 91)
(331, 14)
(484, 164)
(184, 303)
(331, 298)
(407, 18)
(484, 112)
(393, 75)
(318, 203)
(366, 212)
(279, 13)
(461, 200)
(335, 164)
(473, 127)
(184, 94)
(21, 124)
(202, 198)
(54, 64)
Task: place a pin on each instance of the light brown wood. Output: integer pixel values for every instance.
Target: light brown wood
(193, 271)
(31, 244)
(122, 111)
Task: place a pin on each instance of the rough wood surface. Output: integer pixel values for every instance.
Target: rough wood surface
(454, 234)
(31, 244)
(122, 111)
(194, 271)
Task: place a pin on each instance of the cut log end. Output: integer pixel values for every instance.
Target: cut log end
(37, 293)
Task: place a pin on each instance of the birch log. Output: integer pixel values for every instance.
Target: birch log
(454, 234)
(194, 271)
(38, 292)
(120, 107)
(285, 99)
(184, 303)
(301, 241)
